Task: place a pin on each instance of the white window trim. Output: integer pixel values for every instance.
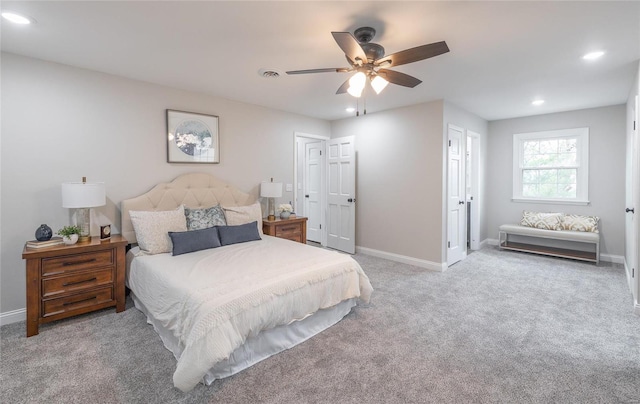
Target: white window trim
(582, 180)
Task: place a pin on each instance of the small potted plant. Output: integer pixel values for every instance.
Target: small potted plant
(69, 234)
(285, 210)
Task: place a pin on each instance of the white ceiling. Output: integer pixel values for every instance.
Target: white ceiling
(503, 54)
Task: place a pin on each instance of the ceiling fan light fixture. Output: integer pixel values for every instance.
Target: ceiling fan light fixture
(356, 92)
(378, 84)
(356, 84)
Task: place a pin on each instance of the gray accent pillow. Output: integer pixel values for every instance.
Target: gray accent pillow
(202, 218)
(194, 240)
(239, 234)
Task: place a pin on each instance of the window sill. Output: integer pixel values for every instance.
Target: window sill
(551, 201)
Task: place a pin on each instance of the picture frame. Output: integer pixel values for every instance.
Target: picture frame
(192, 138)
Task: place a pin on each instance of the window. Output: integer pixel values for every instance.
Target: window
(551, 166)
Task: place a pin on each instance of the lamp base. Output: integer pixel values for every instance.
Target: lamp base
(84, 239)
(271, 218)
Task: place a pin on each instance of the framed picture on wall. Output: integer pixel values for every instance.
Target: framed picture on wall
(192, 138)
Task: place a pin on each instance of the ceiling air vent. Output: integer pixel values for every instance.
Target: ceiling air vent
(269, 73)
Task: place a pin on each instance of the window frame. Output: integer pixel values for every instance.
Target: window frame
(582, 172)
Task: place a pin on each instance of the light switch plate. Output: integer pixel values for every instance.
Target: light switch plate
(289, 187)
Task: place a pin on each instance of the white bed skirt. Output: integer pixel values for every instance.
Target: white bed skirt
(261, 346)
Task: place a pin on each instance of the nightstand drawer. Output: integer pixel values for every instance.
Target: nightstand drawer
(70, 283)
(293, 237)
(77, 301)
(51, 266)
(285, 230)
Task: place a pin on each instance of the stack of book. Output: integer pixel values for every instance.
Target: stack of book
(47, 243)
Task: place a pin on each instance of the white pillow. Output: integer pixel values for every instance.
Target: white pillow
(580, 223)
(236, 215)
(152, 229)
(540, 220)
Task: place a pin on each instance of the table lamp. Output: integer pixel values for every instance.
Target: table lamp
(83, 196)
(271, 190)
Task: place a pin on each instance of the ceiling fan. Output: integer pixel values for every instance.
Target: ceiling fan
(368, 61)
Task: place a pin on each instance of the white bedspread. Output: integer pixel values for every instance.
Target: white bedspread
(212, 300)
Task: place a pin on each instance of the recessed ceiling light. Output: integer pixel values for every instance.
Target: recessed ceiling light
(17, 18)
(350, 109)
(593, 55)
(537, 102)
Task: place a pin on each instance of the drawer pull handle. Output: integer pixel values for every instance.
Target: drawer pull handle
(79, 282)
(289, 228)
(79, 301)
(68, 264)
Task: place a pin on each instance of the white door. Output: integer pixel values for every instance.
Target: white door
(635, 181)
(472, 179)
(312, 192)
(632, 203)
(456, 208)
(341, 195)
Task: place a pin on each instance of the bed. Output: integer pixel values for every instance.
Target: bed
(220, 310)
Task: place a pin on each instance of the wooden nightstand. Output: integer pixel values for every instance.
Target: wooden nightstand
(65, 281)
(292, 229)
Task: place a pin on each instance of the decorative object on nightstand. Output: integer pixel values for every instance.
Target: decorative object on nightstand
(285, 210)
(271, 190)
(65, 281)
(70, 234)
(294, 229)
(47, 243)
(43, 233)
(83, 196)
(105, 232)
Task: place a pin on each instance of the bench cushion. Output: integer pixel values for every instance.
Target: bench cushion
(582, 236)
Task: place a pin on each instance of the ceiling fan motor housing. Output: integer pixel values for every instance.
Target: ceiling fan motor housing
(364, 34)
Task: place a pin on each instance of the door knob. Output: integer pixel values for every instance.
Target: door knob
(306, 196)
(351, 200)
(460, 202)
(630, 210)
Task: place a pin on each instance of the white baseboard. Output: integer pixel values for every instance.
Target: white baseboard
(430, 265)
(490, 241)
(616, 259)
(13, 316)
(484, 243)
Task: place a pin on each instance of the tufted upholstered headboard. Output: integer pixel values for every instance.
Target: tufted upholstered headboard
(195, 190)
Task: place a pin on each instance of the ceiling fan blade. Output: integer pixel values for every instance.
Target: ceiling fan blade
(327, 70)
(350, 46)
(413, 54)
(343, 88)
(398, 78)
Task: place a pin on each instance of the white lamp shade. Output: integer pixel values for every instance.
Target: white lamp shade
(378, 84)
(271, 189)
(83, 194)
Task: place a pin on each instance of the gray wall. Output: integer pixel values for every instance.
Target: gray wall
(61, 123)
(606, 170)
(399, 179)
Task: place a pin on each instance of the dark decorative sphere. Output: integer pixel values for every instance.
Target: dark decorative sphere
(43, 233)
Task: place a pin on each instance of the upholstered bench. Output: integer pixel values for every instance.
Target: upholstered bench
(586, 234)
